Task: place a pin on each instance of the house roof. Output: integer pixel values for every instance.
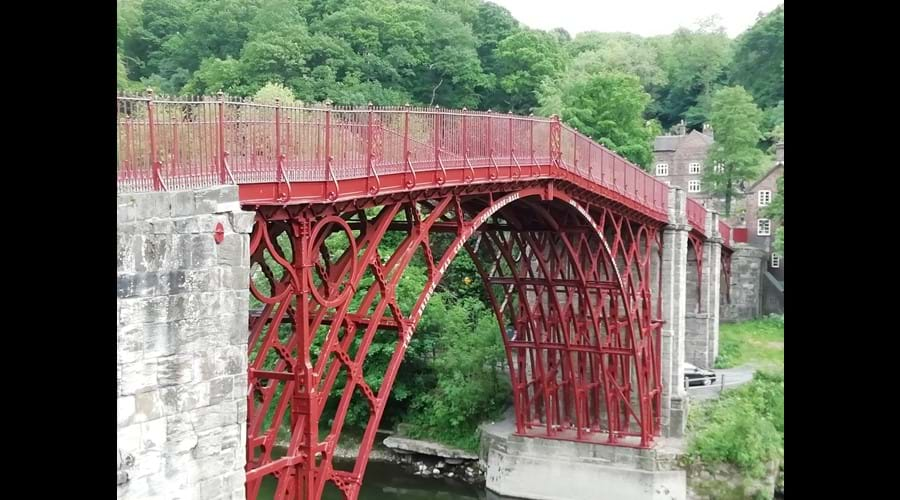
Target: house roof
(765, 176)
(672, 142)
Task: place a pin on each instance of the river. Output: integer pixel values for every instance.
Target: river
(386, 481)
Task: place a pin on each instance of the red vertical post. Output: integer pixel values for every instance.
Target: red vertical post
(645, 188)
(555, 140)
(154, 154)
(220, 136)
(531, 141)
(406, 165)
(279, 165)
(370, 153)
(511, 143)
(328, 174)
(590, 151)
(465, 142)
(437, 146)
(490, 135)
(575, 149)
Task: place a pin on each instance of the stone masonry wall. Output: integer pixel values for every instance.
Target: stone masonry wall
(181, 345)
(746, 280)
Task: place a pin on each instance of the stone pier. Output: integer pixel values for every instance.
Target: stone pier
(182, 271)
(702, 316)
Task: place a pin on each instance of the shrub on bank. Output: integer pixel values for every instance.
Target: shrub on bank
(744, 427)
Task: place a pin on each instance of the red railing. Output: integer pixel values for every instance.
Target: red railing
(696, 215)
(725, 231)
(175, 144)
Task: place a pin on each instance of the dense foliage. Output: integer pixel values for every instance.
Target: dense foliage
(744, 427)
(736, 120)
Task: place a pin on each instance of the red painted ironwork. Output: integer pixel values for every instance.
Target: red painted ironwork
(739, 234)
(566, 231)
(573, 280)
(725, 232)
(696, 215)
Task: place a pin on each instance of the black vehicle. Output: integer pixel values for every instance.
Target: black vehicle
(698, 376)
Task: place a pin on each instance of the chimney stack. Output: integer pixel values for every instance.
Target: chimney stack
(680, 128)
(707, 130)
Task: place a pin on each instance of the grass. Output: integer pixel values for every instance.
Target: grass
(758, 343)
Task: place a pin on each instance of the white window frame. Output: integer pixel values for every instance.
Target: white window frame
(662, 169)
(759, 227)
(776, 261)
(719, 168)
(694, 186)
(763, 197)
(695, 167)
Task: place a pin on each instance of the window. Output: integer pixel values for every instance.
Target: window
(763, 198)
(694, 167)
(763, 227)
(662, 169)
(693, 186)
(776, 260)
(719, 168)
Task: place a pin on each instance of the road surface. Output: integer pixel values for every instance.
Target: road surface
(732, 377)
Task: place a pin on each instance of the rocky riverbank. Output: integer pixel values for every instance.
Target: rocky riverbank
(420, 457)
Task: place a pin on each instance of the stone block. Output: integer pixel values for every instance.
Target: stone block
(220, 389)
(159, 340)
(129, 343)
(181, 437)
(153, 434)
(137, 377)
(209, 443)
(187, 225)
(124, 410)
(128, 439)
(148, 405)
(161, 226)
(230, 252)
(206, 201)
(152, 205)
(126, 209)
(147, 463)
(175, 370)
(242, 222)
(182, 203)
(195, 396)
(202, 251)
(211, 488)
(210, 417)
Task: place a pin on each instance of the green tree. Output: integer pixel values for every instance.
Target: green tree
(492, 24)
(735, 154)
(271, 92)
(759, 59)
(775, 211)
(607, 107)
(525, 60)
(215, 74)
(695, 63)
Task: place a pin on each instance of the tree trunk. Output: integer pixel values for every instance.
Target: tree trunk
(728, 198)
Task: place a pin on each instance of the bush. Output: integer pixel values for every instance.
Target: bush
(745, 427)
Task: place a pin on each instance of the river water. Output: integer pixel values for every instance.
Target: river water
(386, 481)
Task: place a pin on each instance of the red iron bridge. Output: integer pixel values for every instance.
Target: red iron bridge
(566, 235)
